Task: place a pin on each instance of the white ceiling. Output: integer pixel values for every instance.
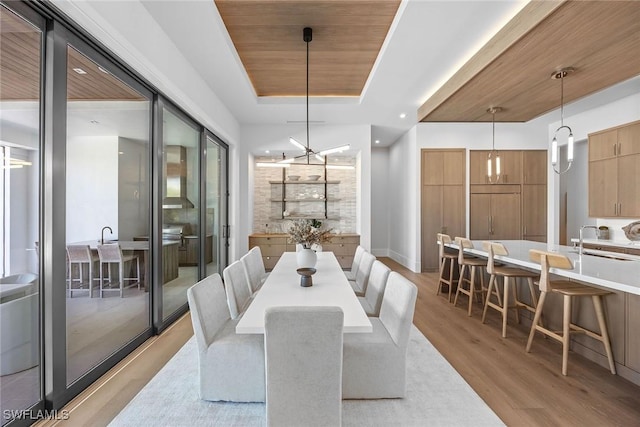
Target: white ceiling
(427, 43)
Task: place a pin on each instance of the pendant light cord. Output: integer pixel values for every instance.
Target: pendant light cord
(493, 140)
(308, 145)
(561, 99)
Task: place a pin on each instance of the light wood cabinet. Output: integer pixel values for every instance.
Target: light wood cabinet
(534, 167)
(510, 167)
(494, 216)
(632, 355)
(344, 248)
(442, 206)
(534, 213)
(614, 172)
(273, 246)
(516, 206)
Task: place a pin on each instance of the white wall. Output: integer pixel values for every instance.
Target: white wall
(92, 187)
(380, 225)
(257, 138)
(403, 200)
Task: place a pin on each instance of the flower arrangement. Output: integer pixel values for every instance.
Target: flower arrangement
(308, 232)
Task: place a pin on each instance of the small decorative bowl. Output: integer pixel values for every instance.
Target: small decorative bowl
(313, 177)
(293, 177)
(305, 279)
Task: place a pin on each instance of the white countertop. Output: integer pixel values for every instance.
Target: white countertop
(282, 288)
(607, 273)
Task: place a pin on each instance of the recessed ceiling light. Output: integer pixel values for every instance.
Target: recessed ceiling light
(403, 115)
(103, 70)
(79, 71)
(94, 122)
(377, 141)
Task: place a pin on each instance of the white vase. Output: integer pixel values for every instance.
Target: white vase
(306, 258)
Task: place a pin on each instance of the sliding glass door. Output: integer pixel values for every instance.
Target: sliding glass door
(107, 213)
(113, 202)
(20, 290)
(180, 217)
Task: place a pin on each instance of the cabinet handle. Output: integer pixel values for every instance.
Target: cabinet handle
(619, 208)
(525, 230)
(615, 150)
(615, 209)
(619, 148)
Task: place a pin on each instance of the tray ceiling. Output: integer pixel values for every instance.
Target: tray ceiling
(600, 39)
(347, 37)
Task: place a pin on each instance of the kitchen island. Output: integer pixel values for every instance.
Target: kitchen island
(620, 276)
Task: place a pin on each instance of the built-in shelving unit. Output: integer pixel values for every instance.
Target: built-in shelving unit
(294, 195)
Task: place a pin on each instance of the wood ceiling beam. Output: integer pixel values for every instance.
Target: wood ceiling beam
(525, 21)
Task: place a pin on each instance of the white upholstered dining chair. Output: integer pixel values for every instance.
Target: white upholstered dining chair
(372, 298)
(303, 363)
(374, 365)
(362, 276)
(351, 274)
(237, 288)
(254, 266)
(231, 366)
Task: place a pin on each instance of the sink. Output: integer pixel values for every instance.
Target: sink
(603, 254)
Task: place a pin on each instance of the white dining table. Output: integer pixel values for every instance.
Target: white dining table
(282, 288)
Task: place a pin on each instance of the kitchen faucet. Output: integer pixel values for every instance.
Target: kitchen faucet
(105, 228)
(581, 230)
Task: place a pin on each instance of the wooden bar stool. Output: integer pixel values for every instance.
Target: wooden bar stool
(507, 273)
(568, 290)
(444, 256)
(472, 263)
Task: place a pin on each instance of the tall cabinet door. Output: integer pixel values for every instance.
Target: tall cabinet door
(505, 216)
(431, 224)
(603, 188)
(480, 216)
(629, 186)
(534, 218)
(442, 200)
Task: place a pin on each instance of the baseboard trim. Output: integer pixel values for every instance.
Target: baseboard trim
(404, 261)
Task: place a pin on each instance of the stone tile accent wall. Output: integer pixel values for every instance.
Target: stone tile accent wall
(341, 197)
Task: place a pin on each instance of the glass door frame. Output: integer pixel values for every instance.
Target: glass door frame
(39, 22)
(160, 104)
(223, 247)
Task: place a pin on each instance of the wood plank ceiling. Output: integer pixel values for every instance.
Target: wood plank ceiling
(20, 46)
(347, 37)
(600, 39)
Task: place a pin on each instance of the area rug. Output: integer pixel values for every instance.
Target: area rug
(436, 396)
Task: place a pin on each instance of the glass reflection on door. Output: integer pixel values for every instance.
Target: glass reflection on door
(107, 214)
(180, 210)
(20, 50)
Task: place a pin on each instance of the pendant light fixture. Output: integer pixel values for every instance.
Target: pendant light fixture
(493, 159)
(307, 36)
(561, 74)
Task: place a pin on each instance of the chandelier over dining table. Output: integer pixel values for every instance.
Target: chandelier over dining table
(307, 36)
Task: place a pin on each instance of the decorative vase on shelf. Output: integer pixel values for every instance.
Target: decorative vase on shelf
(306, 258)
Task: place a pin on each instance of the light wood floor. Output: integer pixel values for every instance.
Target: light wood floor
(523, 389)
